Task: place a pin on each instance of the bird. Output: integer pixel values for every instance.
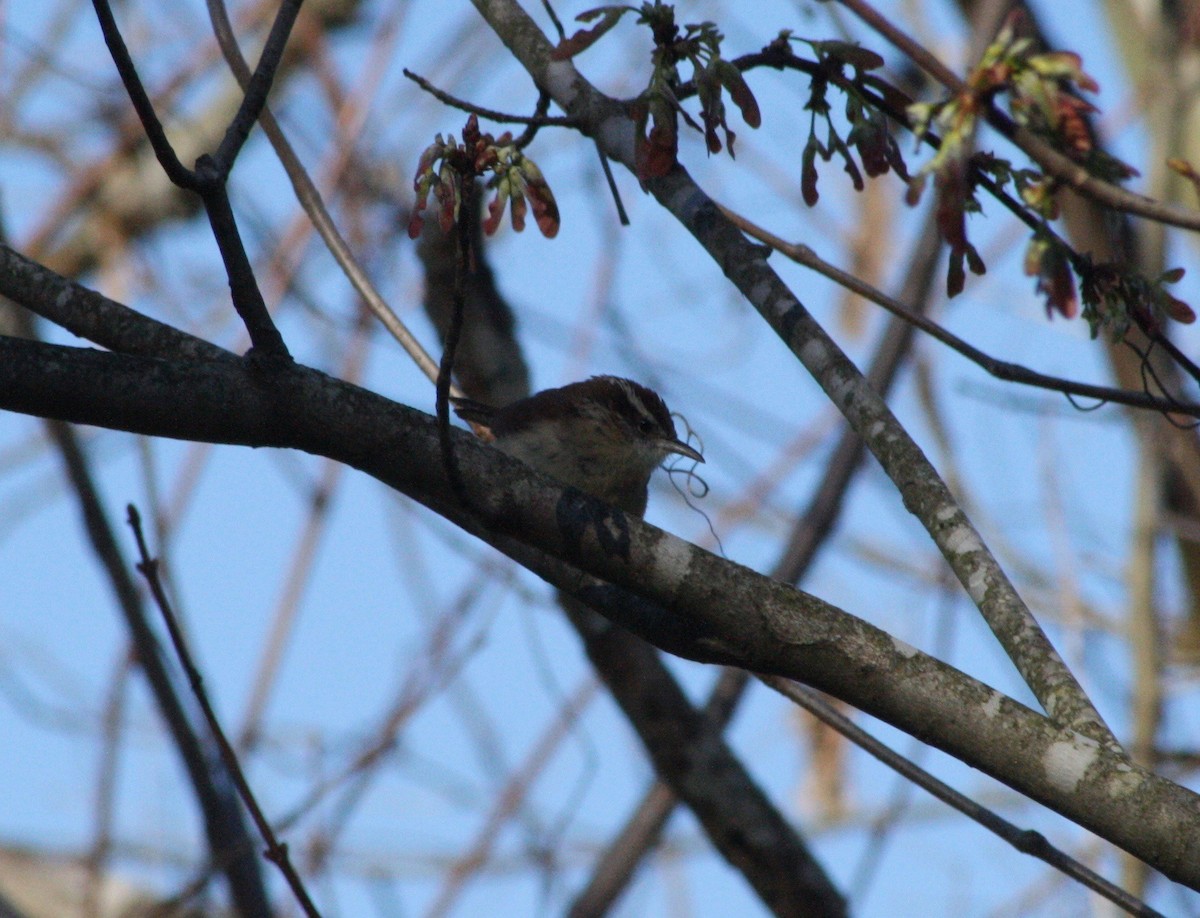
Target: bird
(604, 435)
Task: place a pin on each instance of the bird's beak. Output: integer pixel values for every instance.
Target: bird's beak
(678, 446)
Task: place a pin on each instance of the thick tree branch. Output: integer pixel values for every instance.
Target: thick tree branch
(681, 598)
(93, 316)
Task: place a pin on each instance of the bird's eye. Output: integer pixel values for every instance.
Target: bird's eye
(646, 426)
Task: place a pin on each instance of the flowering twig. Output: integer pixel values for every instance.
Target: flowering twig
(1043, 153)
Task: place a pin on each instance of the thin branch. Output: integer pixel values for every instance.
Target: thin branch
(535, 120)
(224, 829)
(254, 99)
(1179, 357)
(531, 130)
(488, 365)
(208, 179)
(622, 216)
(462, 265)
(276, 852)
(558, 26)
(243, 285)
(1027, 841)
(176, 171)
(1001, 369)
(314, 205)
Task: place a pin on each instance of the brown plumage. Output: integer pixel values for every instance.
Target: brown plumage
(605, 435)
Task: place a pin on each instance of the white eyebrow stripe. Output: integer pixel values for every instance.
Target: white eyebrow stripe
(636, 397)
(639, 403)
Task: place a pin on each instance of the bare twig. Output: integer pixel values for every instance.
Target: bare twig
(255, 99)
(177, 172)
(558, 26)
(622, 215)
(534, 120)
(462, 262)
(223, 825)
(539, 111)
(276, 851)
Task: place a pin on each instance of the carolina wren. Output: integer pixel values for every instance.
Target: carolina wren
(605, 435)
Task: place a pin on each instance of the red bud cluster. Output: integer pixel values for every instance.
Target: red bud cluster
(446, 169)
